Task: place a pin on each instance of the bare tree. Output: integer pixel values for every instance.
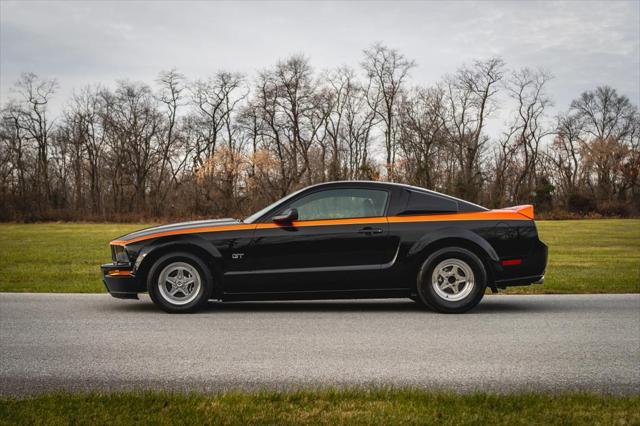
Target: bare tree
(84, 121)
(387, 70)
(565, 155)
(291, 117)
(359, 121)
(211, 98)
(134, 123)
(345, 101)
(609, 124)
(527, 130)
(68, 146)
(469, 96)
(422, 133)
(36, 93)
(214, 101)
(172, 86)
(15, 155)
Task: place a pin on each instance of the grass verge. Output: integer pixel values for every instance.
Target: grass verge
(585, 256)
(322, 407)
(56, 257)
(590, 256)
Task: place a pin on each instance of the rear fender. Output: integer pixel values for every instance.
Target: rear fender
(423, 245)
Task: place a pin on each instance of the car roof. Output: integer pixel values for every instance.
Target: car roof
(357, 183)
(376, 183)
(363, 183)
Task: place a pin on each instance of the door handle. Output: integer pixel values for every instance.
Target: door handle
(370, 231)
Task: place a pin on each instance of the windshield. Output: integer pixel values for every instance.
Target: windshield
(259, 213)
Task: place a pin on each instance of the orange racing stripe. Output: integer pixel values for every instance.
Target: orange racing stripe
(504, 214)
(185, 231)
(325, 222)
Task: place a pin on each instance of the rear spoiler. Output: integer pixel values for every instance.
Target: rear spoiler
(525, 210)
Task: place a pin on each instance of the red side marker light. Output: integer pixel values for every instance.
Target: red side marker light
(511, 262)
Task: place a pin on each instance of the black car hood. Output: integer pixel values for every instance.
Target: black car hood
(177, 227)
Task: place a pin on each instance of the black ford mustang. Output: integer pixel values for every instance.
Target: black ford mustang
(335, 240)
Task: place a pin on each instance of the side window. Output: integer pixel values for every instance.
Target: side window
(420, 202)
(341, 204)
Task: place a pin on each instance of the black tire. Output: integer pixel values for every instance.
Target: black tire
(417, 299)
(162, 300)
(434, 298)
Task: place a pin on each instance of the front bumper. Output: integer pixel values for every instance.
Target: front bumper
(120, 281)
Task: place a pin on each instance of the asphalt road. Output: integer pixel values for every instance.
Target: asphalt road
(509, 343)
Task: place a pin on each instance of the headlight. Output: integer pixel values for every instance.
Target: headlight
(119, 254)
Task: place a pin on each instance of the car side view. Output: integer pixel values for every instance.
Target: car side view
(335, 240)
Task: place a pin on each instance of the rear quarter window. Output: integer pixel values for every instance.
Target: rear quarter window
(420, 202)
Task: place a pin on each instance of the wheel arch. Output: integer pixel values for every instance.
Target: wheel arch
(455, 237)
(192, 244)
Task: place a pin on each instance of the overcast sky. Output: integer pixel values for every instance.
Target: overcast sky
(584, 44)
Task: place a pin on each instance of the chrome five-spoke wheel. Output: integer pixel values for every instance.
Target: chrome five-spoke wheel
(452, 279)
(179, 283)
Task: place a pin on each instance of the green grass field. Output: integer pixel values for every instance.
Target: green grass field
(322, 407)
(585, 256)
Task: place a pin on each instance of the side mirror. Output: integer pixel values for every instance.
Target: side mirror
(286, 216)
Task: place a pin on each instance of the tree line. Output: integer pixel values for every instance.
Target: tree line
(227, 145)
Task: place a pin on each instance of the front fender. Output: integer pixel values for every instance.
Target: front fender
(178, 242)
(451, 233)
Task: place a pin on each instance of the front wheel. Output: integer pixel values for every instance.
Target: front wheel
(452, 280)
(179, 282)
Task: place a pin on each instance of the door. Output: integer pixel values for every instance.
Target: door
(338, 243)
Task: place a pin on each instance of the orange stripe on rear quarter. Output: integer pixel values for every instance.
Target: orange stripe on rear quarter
(488, 215)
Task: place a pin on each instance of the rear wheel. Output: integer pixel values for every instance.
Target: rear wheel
(179, 282)
(452, 280)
